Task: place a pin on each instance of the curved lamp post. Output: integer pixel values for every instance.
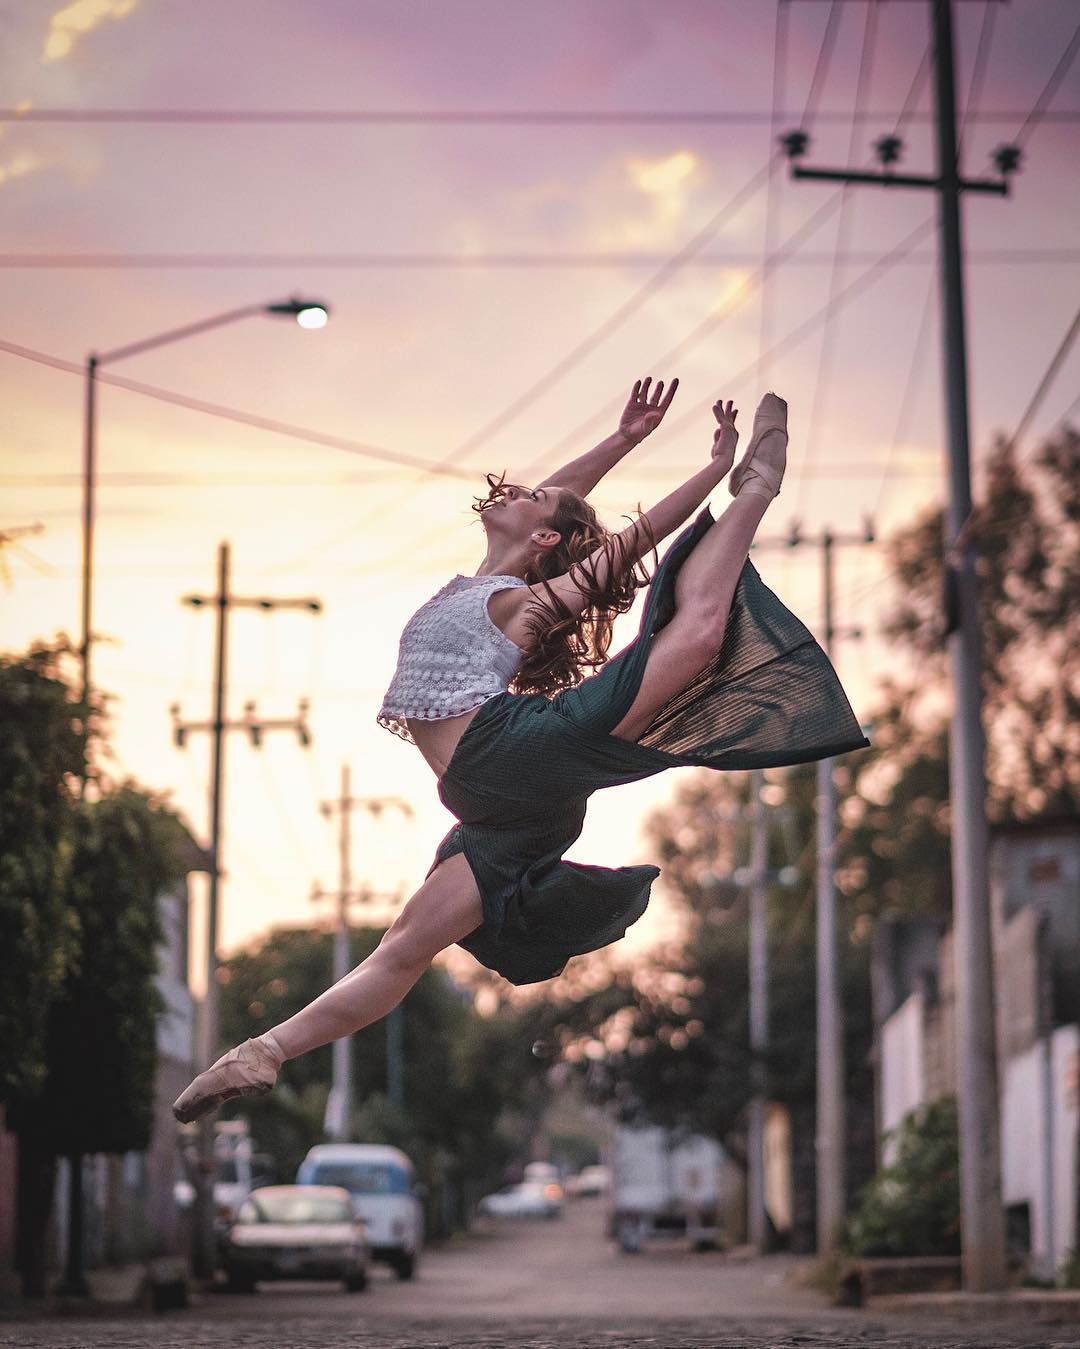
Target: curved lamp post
(307, 313)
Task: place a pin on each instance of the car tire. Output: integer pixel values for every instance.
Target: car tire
(405, 1266)
(357, 1283)
(238, 1282)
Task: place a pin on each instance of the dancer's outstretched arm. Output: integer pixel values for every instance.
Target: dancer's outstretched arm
(663, 519)
(642, 415)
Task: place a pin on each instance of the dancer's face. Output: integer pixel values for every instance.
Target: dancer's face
(523, 514)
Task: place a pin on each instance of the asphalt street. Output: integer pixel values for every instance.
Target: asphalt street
(539, 1285)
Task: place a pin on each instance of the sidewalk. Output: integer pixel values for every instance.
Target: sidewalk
(1043, 1306)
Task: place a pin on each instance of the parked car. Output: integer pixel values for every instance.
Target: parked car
(529, 1199)
(590, 1182)
(382, 1183)
(297, 1232)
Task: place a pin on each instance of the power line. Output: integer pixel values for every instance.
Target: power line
(907, 398)
(1038, 112)
(704, 328)
(455, 117)
(779, 78)
(1047, 379)
(237, 415)
(843, 227)
(614, 321)
(978, 71)
(821, 68)
(474, 261)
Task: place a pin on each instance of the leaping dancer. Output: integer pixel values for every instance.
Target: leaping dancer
(490, 688)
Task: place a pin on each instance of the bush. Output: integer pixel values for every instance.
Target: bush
(912, 1207)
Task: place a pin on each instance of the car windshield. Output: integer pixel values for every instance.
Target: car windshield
(297, 1207)
(362, 1177)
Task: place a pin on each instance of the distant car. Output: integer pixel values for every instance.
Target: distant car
(530, 1199)
(590, 1182)
(384, 1192)
(297, 1232)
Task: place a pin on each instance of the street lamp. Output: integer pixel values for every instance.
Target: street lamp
(307, 313)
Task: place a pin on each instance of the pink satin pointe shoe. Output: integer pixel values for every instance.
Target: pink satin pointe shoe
(761, 469)
(250, 1069)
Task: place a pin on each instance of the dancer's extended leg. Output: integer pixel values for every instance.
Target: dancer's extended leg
(445, 909)
(705, 586)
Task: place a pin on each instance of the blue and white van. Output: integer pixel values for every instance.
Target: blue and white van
(382, 1183)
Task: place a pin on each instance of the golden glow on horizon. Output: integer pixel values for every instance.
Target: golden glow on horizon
(78, 19)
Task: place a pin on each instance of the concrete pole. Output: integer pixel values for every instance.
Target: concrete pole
(341, 1084)
(89, 456)
(831, 1133)
(208, 1023)
(982, 1218)
(757, 1224)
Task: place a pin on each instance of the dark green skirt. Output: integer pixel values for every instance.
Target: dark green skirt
(522, 773)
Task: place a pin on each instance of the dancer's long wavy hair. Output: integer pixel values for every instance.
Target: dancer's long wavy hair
(564, 643)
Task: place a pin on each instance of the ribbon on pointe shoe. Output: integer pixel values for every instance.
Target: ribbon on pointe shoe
(761, 469)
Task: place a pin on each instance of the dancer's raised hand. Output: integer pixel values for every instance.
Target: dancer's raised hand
(644, 413)
(726, 436)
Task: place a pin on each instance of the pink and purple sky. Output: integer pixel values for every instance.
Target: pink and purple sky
(417, 361)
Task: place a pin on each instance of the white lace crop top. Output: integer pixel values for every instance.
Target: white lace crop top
(452, 657)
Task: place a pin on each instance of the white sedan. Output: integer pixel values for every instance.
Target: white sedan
(297, 1232)
(530, 1199)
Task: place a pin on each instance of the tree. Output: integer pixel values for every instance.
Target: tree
(41, 759)
(101, 1054)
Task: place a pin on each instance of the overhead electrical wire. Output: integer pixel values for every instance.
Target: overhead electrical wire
(237, 415)
(462, 117)
(615, 321)
(779, 75)
(1046, 380)
(707, 325)
(907, 397)
(971, 106)
(843, 229)
(470, 261)
(821, 67)
(1038, 112)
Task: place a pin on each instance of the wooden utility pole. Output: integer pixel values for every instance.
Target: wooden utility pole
(982, 1215)
(217, 727)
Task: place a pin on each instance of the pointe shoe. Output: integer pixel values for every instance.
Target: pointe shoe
(248, 1070)
(761, 469)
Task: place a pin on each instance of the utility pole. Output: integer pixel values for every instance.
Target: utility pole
(831, 1135)
(255, 727)
(759, 1013)
(982, 1216)
(340, 1103)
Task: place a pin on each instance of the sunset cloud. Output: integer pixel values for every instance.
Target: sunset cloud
(19, 165)
(78, 19)
(666, 182)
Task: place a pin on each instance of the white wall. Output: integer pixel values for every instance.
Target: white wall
(903, 1077)
(1023, 1143)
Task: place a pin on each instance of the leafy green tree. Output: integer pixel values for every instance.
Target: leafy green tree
(101, 1039)
(41, 759)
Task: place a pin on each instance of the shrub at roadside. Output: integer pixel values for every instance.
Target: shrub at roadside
(912, 1206)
